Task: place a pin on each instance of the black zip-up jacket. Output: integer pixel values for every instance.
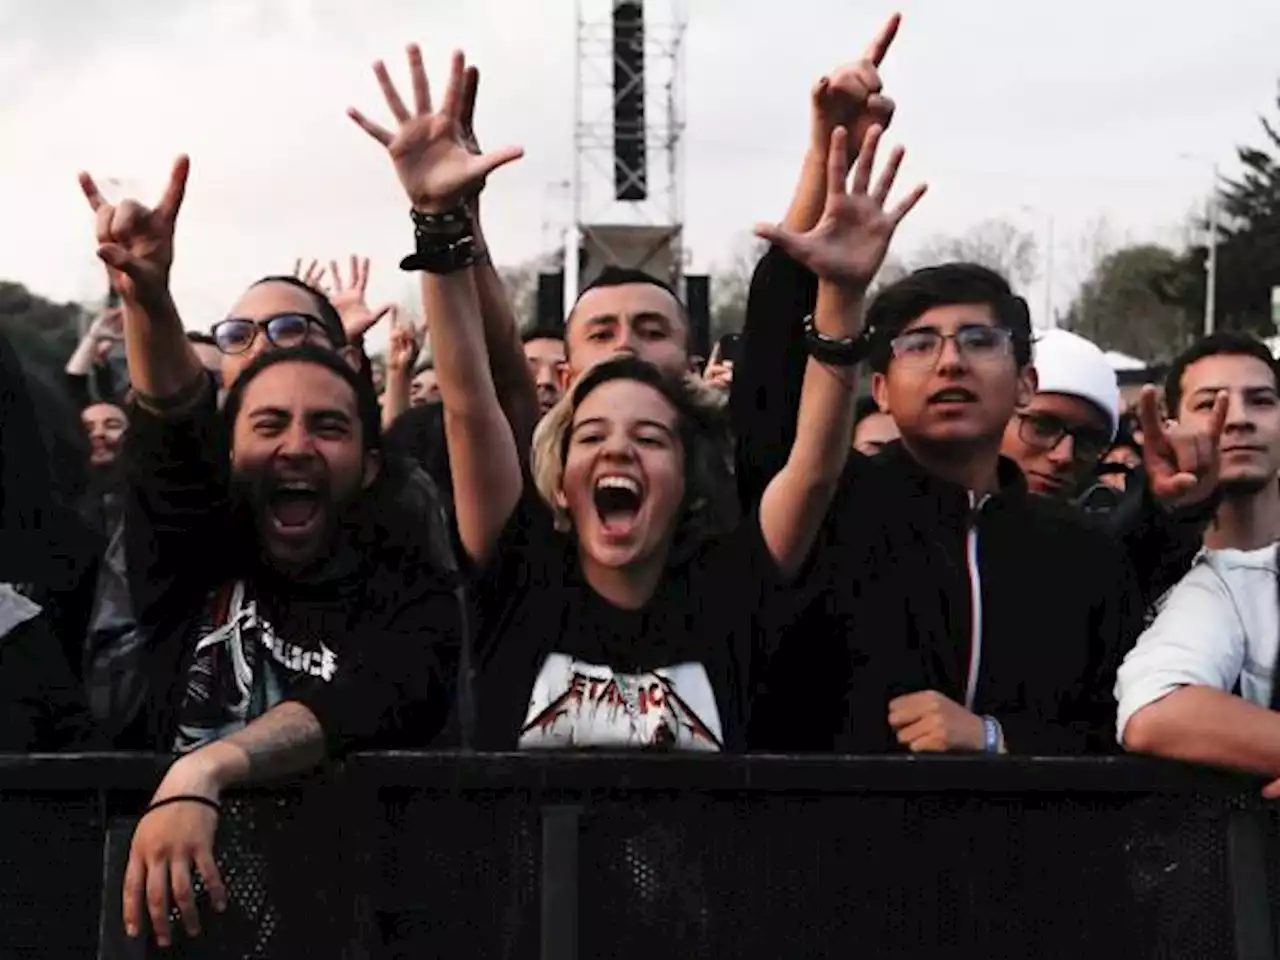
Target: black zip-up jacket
(1160, 544)
(892, 609)
(1010, 605)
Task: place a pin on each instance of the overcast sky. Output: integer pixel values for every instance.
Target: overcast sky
(1010, 108)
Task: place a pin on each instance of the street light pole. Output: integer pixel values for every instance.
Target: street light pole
(1211, 263)
(1048, 261)
(1048, 280)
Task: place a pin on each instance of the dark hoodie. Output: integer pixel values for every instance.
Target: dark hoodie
(368, 642)
(906, 555)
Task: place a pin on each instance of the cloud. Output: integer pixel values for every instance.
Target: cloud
(1002, 106)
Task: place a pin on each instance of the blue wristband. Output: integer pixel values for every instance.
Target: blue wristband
(990, 735)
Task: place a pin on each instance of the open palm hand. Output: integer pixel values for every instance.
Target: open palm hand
(429, 149)
(849, 242)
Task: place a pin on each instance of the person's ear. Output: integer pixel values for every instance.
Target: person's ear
(880, 392)
(1028, 386)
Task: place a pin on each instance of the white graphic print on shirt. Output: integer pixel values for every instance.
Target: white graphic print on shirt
(229, 683)
(584, 705)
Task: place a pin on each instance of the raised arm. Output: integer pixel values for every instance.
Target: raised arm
(845, 249)
(136, 244)
(850, 97)
(438, 173)
(402, 354)
(512, 378)
(767, 377)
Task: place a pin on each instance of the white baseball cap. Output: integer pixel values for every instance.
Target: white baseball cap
(1069, 364)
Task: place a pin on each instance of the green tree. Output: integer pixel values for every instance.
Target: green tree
(1139, 300)
(43, 332)
(1249, 239)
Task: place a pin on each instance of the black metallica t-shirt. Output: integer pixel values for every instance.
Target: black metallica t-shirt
(559, 666)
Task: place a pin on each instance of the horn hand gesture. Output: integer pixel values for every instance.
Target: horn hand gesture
(849, 242)
(429, 148)
(135, 243)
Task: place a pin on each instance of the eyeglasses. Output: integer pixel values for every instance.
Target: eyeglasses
(236, 334)
(977, 342)
(1044, 432)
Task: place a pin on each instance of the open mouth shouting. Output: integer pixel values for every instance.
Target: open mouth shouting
(294, 508)
(618, 499)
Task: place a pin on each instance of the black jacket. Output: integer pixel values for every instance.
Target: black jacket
(890, 609)
(1161, 545)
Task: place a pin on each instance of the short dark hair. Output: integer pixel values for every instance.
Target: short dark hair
(1225, 342)
(325, 311)
(543, 333)
(863, 408)
(366, 400)
(945, 285)
(199, 336)
(613, 276)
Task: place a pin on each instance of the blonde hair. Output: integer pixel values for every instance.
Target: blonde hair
(709, 502)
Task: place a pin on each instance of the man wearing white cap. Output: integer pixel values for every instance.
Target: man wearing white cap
(1059, 438)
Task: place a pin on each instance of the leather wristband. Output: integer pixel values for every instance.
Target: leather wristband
(444, 242)
(845, 352)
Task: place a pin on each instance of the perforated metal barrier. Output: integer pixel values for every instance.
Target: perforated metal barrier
(566, 856)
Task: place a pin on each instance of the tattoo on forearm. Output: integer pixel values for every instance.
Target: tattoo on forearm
(287, 739)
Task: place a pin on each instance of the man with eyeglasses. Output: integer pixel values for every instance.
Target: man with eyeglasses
(968, 613)
(277, 311)
(1060, 436)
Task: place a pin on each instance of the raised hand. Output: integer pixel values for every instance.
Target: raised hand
(1182, 463)
(437, 170)
(313, 276)
(402, 349)
(850, 96)
(849, 242)
(135, 243)
(349, 299)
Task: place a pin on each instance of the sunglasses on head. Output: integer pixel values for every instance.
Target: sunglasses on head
(237, 334)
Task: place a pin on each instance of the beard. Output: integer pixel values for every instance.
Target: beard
(251, 491)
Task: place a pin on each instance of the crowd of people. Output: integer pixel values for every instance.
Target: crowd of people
(585, 538)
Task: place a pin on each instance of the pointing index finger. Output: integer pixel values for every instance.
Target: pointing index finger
(884, 39)
(1219, 419)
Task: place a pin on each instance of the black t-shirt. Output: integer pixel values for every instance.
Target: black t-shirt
(559, 666)
(367, 643)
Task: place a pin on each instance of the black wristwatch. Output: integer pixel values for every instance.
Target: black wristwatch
(843, 352)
